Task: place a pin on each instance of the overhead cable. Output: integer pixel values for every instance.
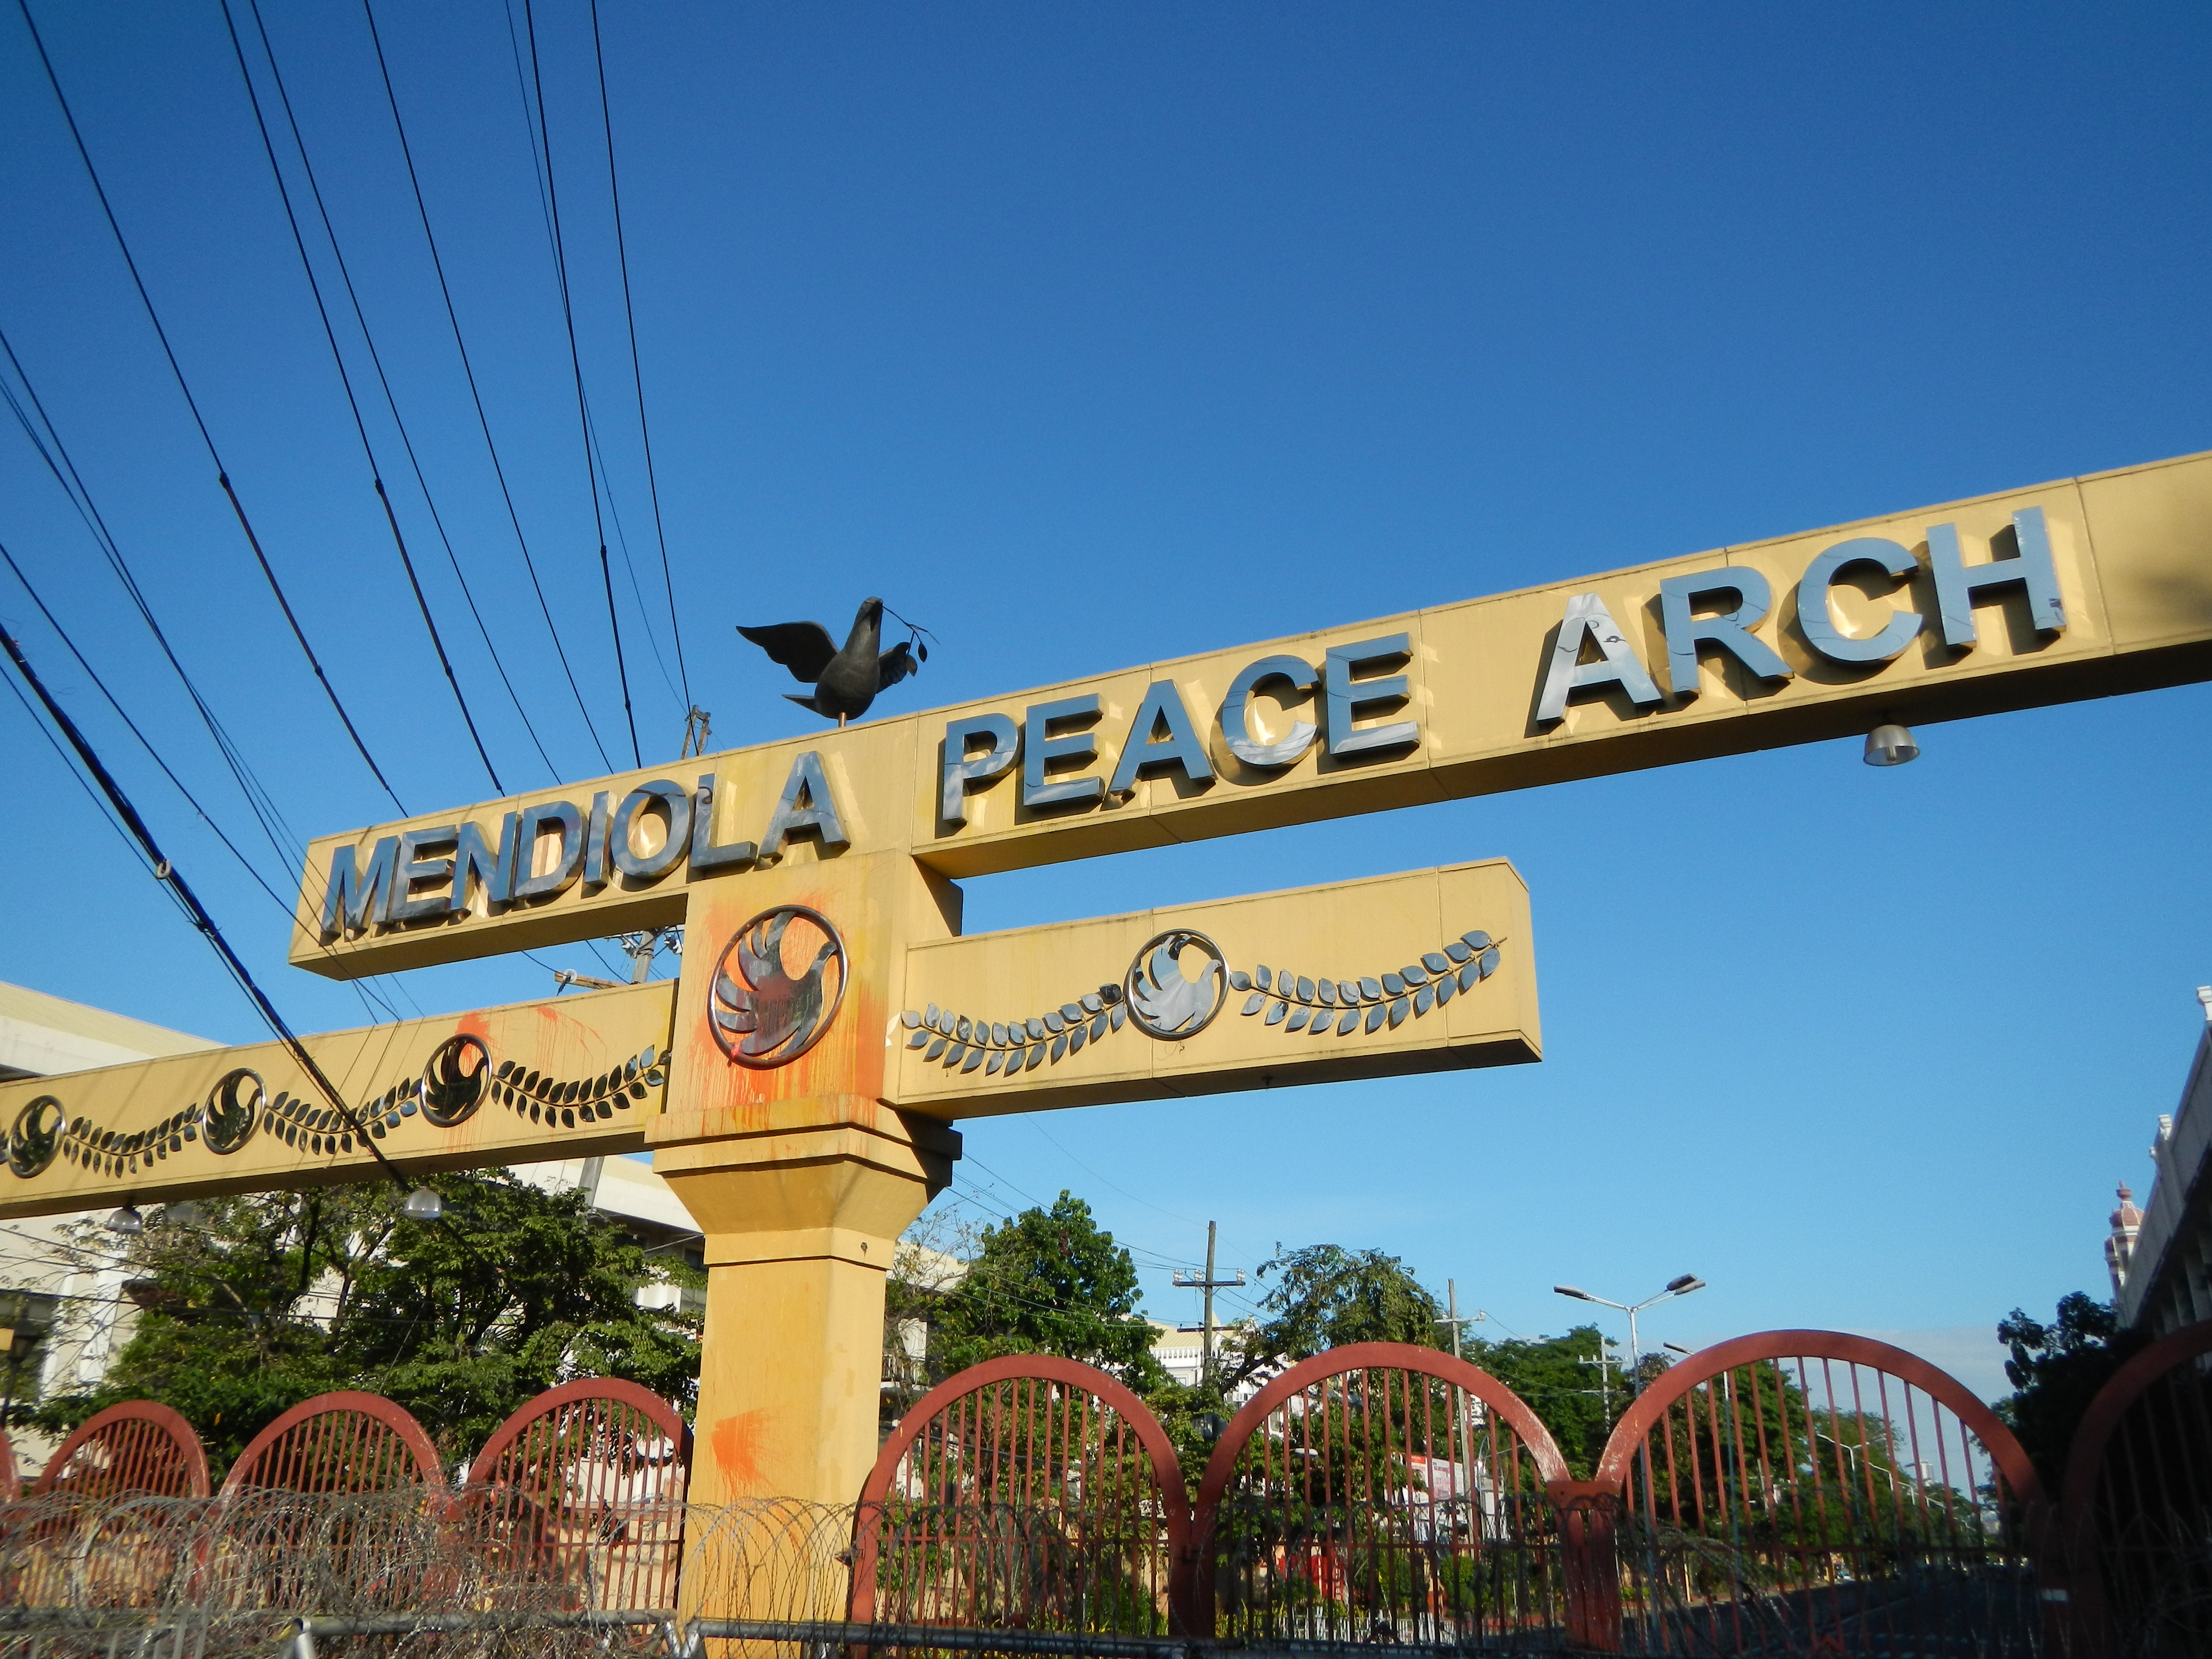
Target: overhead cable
(637, 373)
(384, 380)
(629, 566)
(476, 394)
(55, 454)
(173, 880)
(353, 404)
(370, 1000)
(283, 840)
(222, 473)
(576, 363)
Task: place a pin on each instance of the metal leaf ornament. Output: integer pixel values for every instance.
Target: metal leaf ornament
(764, 1015)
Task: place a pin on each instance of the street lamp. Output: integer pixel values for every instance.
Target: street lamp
(424, 1204)
(1679, 1286)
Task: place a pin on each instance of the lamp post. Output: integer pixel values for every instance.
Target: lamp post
(1681, 1287)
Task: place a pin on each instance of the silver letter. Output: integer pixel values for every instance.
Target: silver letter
(403, 905)
(1039, 749)
(820, 814)
(1958, 584)
(1347, 697)
(647, 865)
(494, 870)
(1731, 630)
(529, 885)
(1162, 706)
(1587, 618)
(1235, 718)
(354, 895)
(706, 856)
(959, 770)
(595, 842)
(1818, 619)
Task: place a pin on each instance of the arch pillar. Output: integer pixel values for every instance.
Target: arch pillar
(801, 1215)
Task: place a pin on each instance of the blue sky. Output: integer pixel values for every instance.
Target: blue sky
(1090, 335)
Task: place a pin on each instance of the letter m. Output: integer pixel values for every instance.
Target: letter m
(357, 896)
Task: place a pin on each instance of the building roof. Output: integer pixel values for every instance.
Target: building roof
(41, 1035)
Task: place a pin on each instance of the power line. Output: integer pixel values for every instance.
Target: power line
(384, 380)
(637, 373)
(476, 394)
(576, 363)
(345, 380)
(258, 801)
(222, 474)
(173, 878)
(371, 1000)
(629, 566)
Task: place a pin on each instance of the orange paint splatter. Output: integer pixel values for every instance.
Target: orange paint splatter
(737, 1444)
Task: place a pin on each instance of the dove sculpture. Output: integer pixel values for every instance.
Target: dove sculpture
(845, 681)
(1166, 1002)
(766, 1016)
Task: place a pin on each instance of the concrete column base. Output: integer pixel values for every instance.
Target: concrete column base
(802, 1204)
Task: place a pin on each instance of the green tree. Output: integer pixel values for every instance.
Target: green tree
(2057, 1369)
(267, 1299)
(1560, 1379)
(1047, 1281)
(1325, 1296)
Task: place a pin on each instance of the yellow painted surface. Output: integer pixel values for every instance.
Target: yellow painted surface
(801, 1217)
(574, 1039)
(2132, 548)
(1347, 930)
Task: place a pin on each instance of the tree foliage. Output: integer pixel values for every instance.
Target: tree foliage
(1559, 1378)
(1326, 1296)
(2056, 1369)
(1047, 1281)
(268, 1299)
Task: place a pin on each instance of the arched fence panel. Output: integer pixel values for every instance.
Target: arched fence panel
(338, 1444)
(136, 1447)
(1027, 1493)
(581, 1491)
(1382, 1492)
(326, 1496)
(2138, 1507)
(1813, 1492)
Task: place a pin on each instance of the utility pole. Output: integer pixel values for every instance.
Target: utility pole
(642, 947)
(1451, 1299)
(1209, 1284)
(694, 733)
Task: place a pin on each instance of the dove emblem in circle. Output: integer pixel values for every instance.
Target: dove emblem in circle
(777, 987)
(1164, 1002)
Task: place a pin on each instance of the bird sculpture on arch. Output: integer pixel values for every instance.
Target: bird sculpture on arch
(846, 681)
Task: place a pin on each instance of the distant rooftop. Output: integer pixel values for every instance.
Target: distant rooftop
(42, 1035)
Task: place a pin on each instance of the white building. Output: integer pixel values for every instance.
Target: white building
(2160, 1257)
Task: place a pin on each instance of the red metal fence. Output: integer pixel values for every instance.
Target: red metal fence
(1027, 1493)
(585, 1486)
(1380, 1492)
(343, 1442)
(1797, 1492)
(136, 1447)
(1806, 1491)
(2134, 1553)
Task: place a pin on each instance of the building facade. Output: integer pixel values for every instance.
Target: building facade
(2161, 1256)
